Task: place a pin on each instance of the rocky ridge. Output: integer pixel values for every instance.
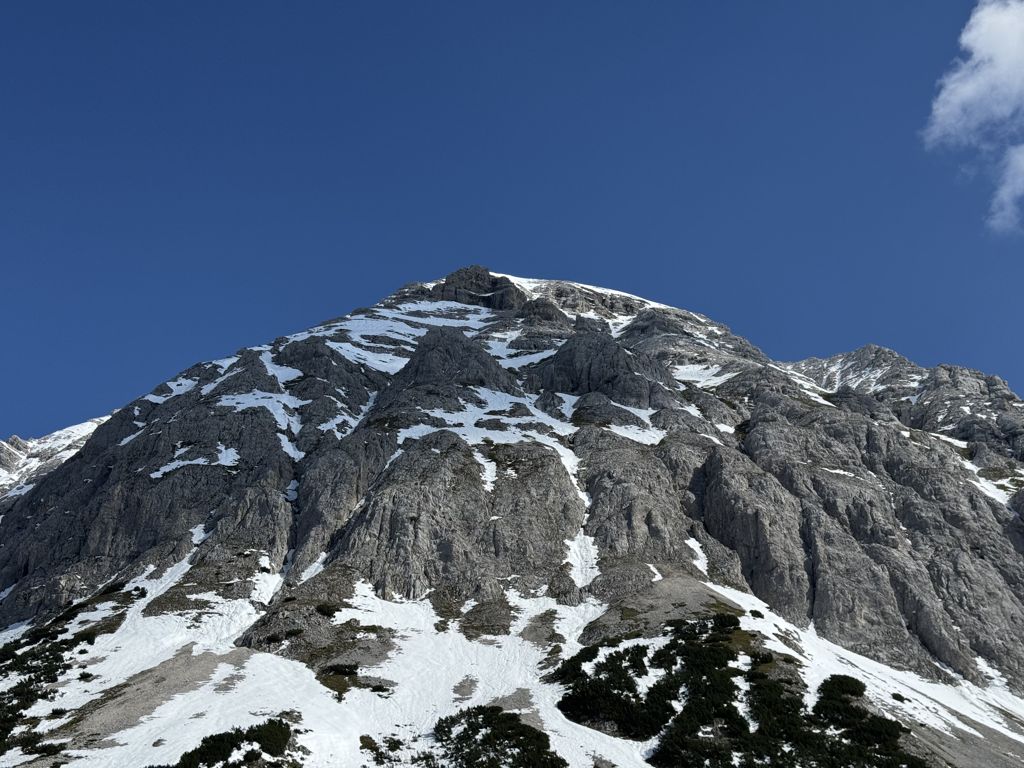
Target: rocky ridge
(21, 461)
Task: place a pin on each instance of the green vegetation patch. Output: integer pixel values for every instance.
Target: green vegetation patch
(694, 704)
(488, 737)
(271, 738)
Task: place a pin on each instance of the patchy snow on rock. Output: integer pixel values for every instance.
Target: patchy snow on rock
(289, 448)
(991, 489)
(488, 470)
(125, 440)
(499, 347)
(431, 658)
(178, 387)
(937, 705)
(582, 558)
(41, 455)
(645, 435)
(524, 359)
(199, 534)
(518, 428)
(142, 642)
(226, 457)
(239, 694)
(582, 550)
(843, 472)
(703, 376)
(691, 409)
(343, 424)
(282, 373)
(383, 337)
(211, 386)
(999, 491)
(568, 405)
(962, 444)
(281, 406)
(291, 493)
(535, 288)
(742, 663)
(378, 361)
(224, 363)
(806, 383)
(265, 583)
(18, 490)
(700, 559)
(313, 568)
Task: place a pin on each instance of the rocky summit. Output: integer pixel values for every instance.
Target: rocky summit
(493, 521)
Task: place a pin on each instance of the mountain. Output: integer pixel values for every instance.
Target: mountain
(494, 521)
(21, 461)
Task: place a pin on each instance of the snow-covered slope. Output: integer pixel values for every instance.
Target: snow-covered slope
(22, 461)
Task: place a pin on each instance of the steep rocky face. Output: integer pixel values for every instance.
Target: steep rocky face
(527, 467)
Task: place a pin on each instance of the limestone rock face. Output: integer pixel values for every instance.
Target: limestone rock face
(482, 438)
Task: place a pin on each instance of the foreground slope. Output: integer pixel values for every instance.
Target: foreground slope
(436, 503)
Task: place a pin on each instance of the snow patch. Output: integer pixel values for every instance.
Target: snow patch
(838, 472)
(645, 435)
(488, 471)
(282, 373)
(700, 559)
(289, 448)
(703, 376)
(281, 406)
(582, 558)
(314, 568)
(199, 534)
(18, 490)
(265, 584)
(349, 421)
(178, 387)
(208, 388)
(226, 457)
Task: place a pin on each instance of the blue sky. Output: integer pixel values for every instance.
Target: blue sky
(180, 180)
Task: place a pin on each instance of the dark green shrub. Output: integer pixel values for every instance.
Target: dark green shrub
(709, 730)
(341, 669)
(272, 736)
(487, 737)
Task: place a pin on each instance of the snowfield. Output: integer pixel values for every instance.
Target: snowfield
(429, 663)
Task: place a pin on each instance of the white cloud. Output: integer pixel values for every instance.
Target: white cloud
(980, 104)
(1005, 215)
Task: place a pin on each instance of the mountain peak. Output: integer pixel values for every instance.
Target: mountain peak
(535, 509)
